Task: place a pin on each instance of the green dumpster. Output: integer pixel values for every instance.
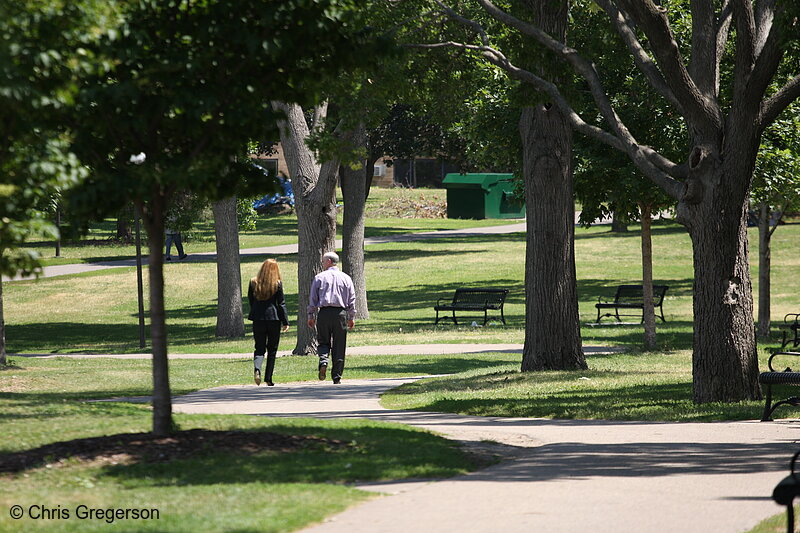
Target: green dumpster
(481, 196)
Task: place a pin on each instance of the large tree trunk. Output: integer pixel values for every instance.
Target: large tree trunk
(764, 266)
(153, 217)
(3, 358)
(230, 322)
(314, 188)
(725, 364)
(354, 191)
(648, 311)
(552, 325)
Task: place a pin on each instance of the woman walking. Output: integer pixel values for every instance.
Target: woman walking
(268, 313)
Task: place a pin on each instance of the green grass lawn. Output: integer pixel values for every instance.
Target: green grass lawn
(49, 400)
(97, 312)
(389, 212)
(46, 400)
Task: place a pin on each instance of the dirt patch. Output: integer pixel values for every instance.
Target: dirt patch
(126, 448)
(419, 206)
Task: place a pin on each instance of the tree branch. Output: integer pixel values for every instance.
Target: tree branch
(723, 30)
(640, 56)
(774, 106)
(764, 16)
(653, 165)
(701, 110)
(704, 51)
(744, 19)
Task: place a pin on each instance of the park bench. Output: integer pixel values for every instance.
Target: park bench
(791, 335)
(473, 300)
(773, 377)
(631, 297)
(786, 491)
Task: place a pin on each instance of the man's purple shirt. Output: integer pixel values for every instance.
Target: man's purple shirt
(332, 288)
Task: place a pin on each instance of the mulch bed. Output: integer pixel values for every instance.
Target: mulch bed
(126, 448)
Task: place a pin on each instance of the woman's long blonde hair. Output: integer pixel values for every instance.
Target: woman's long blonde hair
(266, 283)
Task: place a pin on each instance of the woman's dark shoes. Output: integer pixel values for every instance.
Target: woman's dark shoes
(257, 376)
(323, 371)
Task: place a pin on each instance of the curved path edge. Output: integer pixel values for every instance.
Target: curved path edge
(558, 475)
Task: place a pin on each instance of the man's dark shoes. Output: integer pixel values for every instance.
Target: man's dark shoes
(184, 256)
(269, 383)
(257, 376)
(336, 381)
(323, 371)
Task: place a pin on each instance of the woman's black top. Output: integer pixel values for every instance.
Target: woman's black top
(272, 309)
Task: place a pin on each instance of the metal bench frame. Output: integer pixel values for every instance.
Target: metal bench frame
(631, 297)
(791, 335)
(773, 377)
(473, 300)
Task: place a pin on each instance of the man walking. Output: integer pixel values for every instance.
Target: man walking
(332, 309)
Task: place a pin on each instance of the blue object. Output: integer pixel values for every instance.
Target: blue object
(286, 196)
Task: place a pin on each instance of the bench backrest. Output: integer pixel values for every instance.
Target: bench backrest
(479, 297)
(633, 294)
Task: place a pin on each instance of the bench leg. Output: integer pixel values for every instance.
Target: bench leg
(598, 316)
(502, 316)
(454, 317)
(662, 314)
(766, 417)
(485, 316)
(437, 318)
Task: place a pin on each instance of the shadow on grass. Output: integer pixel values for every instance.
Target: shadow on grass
(431, 366)
(42, 406)
(372, 452)
(658, 228)
(555, 395)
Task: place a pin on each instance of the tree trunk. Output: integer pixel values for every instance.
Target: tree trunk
(764, 266)
(552, 325)
(648, 311)
(314, 188)
(618, 224)
(3, 357)
(354, 191)
(153, 216)
(124, 230)
(725, 364)
(230, 322)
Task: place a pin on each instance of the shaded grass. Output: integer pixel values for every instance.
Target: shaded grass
(404, 281)
(43, 401)
(635, 386)
(100, 243)
(50, 390)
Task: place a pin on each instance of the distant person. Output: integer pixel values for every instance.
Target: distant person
(174, 236)
(268, 313)
(332, 309)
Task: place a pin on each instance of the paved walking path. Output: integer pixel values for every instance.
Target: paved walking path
(557, 476)
(62, 270)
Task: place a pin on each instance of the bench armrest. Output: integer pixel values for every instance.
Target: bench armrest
(771, 357)
(444, 298)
